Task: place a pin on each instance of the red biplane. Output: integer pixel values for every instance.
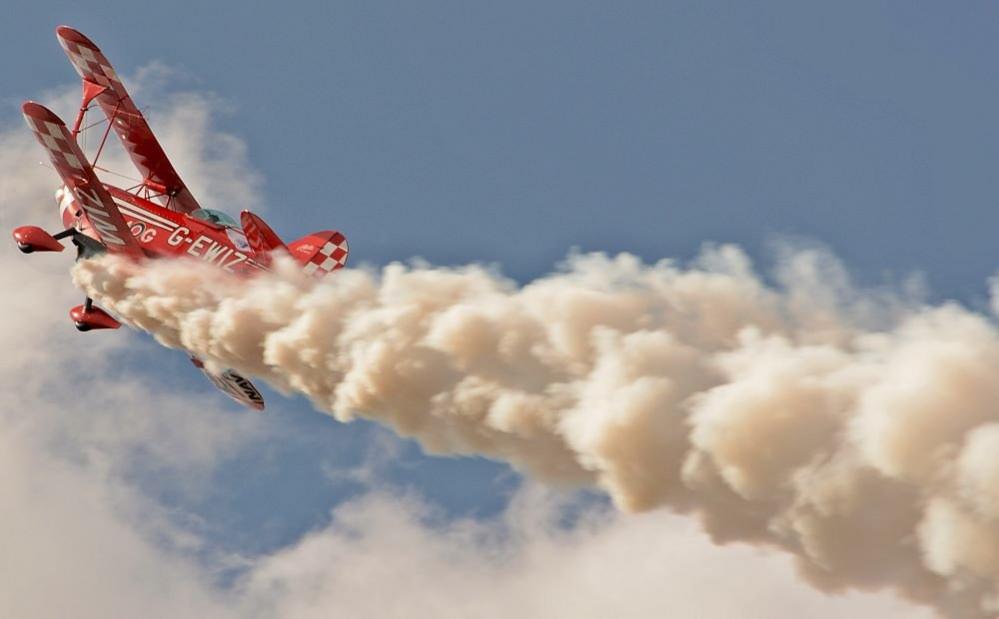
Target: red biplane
(158, 217)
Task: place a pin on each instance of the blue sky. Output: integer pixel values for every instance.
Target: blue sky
(512, 133)
(648, 127)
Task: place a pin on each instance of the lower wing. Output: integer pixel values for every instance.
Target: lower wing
(233, 385)
(80, 179)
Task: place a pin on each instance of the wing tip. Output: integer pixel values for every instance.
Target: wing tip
(68, 33)
(38, 111)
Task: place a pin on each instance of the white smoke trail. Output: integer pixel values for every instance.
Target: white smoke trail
(857, 430)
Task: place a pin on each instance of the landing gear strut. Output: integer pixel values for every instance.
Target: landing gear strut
(88, 306)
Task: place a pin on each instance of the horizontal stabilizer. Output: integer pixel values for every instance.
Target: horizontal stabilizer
(320, 253)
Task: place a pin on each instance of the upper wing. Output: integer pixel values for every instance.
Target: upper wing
(80, 179)
(129, 124)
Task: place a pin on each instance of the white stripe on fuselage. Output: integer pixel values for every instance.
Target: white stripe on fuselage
(148, 213)
(144, 215)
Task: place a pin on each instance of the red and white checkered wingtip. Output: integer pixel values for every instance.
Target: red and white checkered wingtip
(52, 134)
(68, 33)
(37, 111)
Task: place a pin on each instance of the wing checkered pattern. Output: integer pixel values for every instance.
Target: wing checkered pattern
(56, 140)
(91, 64)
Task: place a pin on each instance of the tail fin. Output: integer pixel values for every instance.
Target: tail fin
(321, 252)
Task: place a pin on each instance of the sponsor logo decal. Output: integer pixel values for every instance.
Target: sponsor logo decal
(141, 232)
(98, 216)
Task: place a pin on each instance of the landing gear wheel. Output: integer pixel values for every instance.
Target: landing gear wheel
(25, 248)
(82, 327)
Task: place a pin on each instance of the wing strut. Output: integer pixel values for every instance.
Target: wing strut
(91, 91)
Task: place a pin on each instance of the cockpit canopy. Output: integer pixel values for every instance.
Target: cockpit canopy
(215, 217)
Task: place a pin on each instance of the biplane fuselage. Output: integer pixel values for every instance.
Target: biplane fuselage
(160, 232)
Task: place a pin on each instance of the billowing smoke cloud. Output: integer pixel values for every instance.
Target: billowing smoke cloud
(857, 430)
(91, 442)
